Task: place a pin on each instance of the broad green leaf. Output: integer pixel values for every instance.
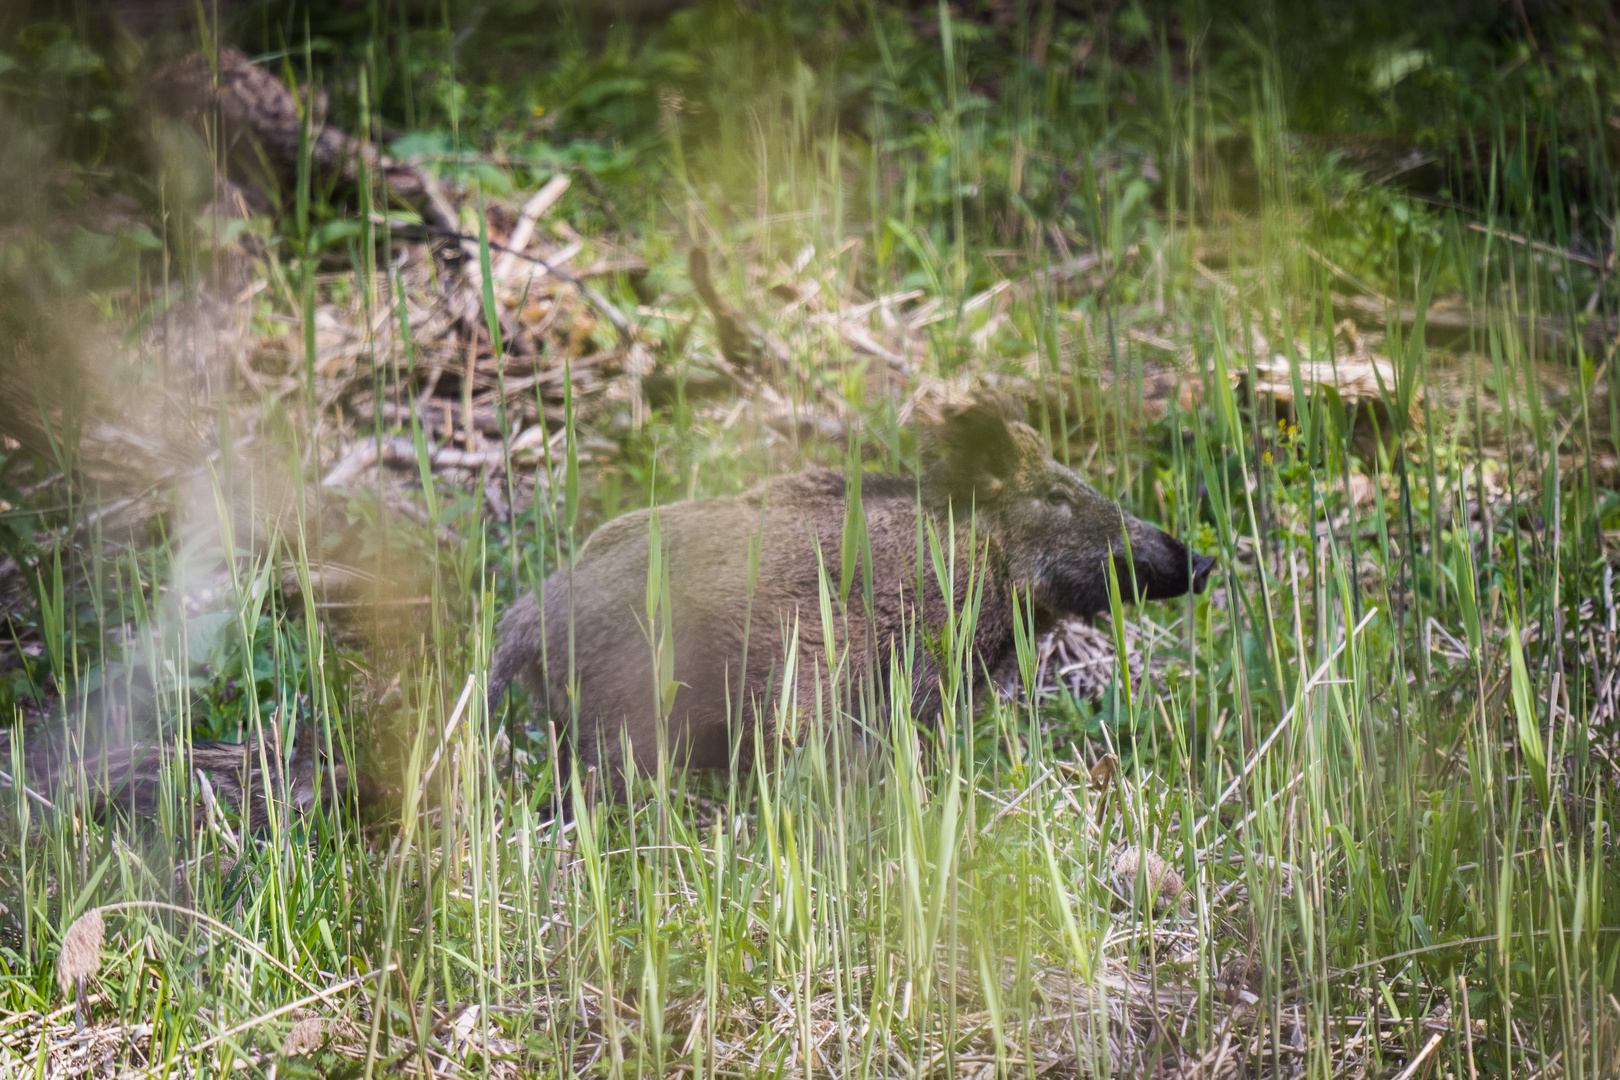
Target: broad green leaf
(1535, 755)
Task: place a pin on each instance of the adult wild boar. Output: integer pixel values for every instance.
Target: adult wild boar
(1039, 530)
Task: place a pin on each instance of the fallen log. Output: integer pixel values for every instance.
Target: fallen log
(256, 126)
(1453, 324)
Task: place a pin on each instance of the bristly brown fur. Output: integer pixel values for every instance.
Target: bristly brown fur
(1033, 526)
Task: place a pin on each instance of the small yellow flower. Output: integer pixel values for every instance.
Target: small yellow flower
(1268, 457)
(538, 110)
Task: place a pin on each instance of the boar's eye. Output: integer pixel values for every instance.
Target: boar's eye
(1057, 497)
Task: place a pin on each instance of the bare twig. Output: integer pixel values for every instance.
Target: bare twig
(540, 202)
(1282, 725)
(1422, 1056)
(248, 1025)
(1537, 245)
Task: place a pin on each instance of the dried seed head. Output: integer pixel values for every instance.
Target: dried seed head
(1240, 980)
(305, 1037)
(1103, 772)
(1164, 884)
(81, 949)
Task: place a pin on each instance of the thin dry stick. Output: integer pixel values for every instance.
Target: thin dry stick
(1243, 822)
(1341, 272)
(5, 778)
(11, 1038)
(215, 818)
(523, 232)
(627, 332)
(248, 1025)
(1468, 1026)
(1537, 245)
(1282, 725)
(1423, 1055)
(252, 946)
(449, 729)
(1012, 805)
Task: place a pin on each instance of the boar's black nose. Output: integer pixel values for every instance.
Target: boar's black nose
(1201, 566)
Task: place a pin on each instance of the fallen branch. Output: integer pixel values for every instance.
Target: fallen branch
(1445, 321)
(1537, 245)
(1422, 1056)
(259, 125)
(610, 310)
(400, 452)
(540, 202)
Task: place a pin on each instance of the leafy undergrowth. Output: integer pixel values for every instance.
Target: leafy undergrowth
(1347, 812)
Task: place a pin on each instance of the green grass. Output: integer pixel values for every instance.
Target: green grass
(1375, 750)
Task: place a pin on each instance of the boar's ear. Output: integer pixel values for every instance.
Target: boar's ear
(975, 448)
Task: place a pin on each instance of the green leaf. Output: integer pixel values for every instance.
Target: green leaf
(655, 566)
(87, 890)
(1116, 607)
(1229, 422)
(1524, 711)
(1462, 566)
(492, 320)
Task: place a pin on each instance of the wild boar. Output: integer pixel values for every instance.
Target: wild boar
(712, 686)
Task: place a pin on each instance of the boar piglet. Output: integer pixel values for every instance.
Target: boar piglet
(1038, 530)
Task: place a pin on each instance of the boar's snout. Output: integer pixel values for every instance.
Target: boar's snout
(1201, 567)
(1163, 566)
